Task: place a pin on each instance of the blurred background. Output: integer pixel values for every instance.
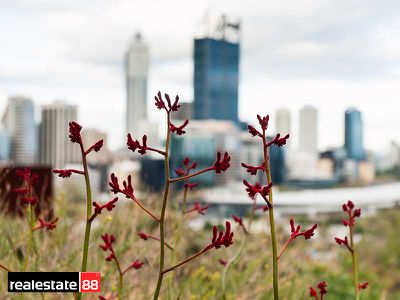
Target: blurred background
(327, 73)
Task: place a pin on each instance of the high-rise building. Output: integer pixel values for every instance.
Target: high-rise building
(353, 141)
(55, 148)
(136, 69)
(216, 76)
(5, 145)
(282, 123)
(308, 130)
(19, 122)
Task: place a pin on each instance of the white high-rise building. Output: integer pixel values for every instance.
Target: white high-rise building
(308, 130)
(136, 70)
(19, 122)
(56, 149)
(282, 123)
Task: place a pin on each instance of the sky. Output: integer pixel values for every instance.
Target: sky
(329, 54)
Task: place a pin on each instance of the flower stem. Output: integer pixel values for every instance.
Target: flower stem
(162, 217)
(188, 259)
(30, 216)
(355, 267)
(88, 214)
(271, 222)
(285, 246)
(5, 268)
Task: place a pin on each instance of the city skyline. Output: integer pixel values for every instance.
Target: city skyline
(293, 67)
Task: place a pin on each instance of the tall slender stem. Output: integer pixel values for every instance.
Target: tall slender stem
(188, 259)
(30, 217)
(271, 222)
(355, 267)
(162, 217)
(88, 214)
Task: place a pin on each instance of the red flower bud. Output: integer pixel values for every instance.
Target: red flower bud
(222, 238)
(75, 132)
(48, 225)
(280, 141)
(63, 173)
(179, 130)
(362, 286)
(255, 189)
(222, 262)
(160, 104)
(238, 220)
(322, 290)
(128, 189)
(295, 231)
(109, 206)
(221, 165)
(263, 121)
(253, 131)
(134, 144)
(143, 236)
(20, 191)
(97, 146)
(180, 172)
(137, 264)
(114, 184)
(197, 208)
(313, 293)
(253, 169)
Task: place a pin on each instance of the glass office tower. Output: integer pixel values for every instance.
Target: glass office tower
(216, 79)
(354, 134)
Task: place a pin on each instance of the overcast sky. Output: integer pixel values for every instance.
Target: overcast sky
(330, 54)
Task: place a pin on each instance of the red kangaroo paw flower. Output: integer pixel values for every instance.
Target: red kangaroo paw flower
(160, 104)
(47, 225)
(221, 165)
(253, 131)
(362, 286)
(114, 184)
(198, 208)
(253, 190)
(190, 186)
(222, 238)
(295, 232)
(137, 264)
(222, 262)
(178, 129)
(20, 191)
(109, 206)
(134, 144)
(280, 141)
(263, 121)
(96, 147)
(75, 132)
(29, 200)
(253, 169)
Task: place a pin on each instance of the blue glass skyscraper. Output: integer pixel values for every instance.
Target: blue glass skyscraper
(216, 79)
(353, 142)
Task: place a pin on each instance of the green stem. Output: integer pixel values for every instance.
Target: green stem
(355, 267)
(30, 237)
(88, 214)
(120, 283)
(271, 222)
(162, 217)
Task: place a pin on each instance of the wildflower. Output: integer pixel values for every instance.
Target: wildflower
(295, 232)
(186, 163)
(137, 264)
(143, 236)
(239, 220)
(109, 206)
(362, 286)
(63, 173)
(198, 208)
(160, 104)
(135, 144)
(146, 236)
(27, 176)
(222, 238)
(108, 241)
(114, 184)
(222, 262)
(351, 214)
(180, 172)
(263, 121)
(253, 131)
(75, 132)
(96, 147)
(280, 141)
(322, 291)
(253, 169)
(253, 190)
(128, 189)
(178, 129)
(221, 165)
(47, 225)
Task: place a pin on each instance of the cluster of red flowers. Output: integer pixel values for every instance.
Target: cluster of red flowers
(322, 291)
(197, 208)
